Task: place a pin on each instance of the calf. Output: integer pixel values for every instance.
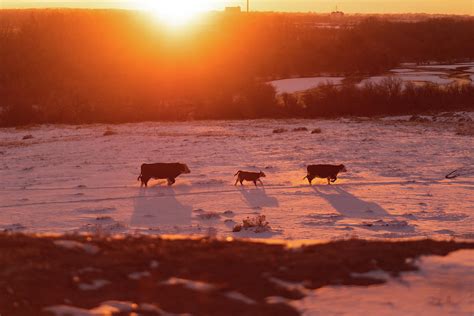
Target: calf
(249, 176)
(324, 171)
(169, 171)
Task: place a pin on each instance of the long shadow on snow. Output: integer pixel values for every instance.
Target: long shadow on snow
(152, 209)
(349, 205)
(257, 197)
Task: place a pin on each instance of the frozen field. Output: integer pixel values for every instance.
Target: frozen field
(462, 73)
(74, 179)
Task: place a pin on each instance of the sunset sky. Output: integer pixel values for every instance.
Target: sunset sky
(350, 6)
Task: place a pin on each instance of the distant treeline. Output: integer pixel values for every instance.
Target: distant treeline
(389, 97)
(81, 66)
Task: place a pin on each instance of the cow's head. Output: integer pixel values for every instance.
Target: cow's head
(261, 174)
(342, 168)
(184, 168)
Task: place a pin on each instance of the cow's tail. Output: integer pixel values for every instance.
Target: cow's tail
(139, 177)
(237, 172)
(305, 177)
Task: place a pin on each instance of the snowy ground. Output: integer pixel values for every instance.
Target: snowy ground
(462, 73)
(444, 286)
(74, 179)
(302, 84)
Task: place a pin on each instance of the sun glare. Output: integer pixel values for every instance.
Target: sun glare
(176, 12)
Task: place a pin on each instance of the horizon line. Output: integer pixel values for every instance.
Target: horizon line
(67, 7)
(132, 5)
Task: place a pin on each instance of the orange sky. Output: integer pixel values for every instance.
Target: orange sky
(350, 6)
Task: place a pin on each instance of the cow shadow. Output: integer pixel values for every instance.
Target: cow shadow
(159, 207)
(256, 197)
(349, 205)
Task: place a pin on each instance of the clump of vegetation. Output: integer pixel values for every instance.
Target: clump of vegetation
(208, 215)
(279, 131)
(104, 218)
(109, 132)
(419, 119)
(316, 131)
(300, 129)
(257, 224)
(465, 130)
(229, 213)
(452, 117)
(29, 136)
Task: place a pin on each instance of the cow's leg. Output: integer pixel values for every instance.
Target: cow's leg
(310, 179)
(260, 181)
(329, 181)
(146, 181)
(241, 181)
(333, 179)
(171, 181)
(237, 180)
(255, 182)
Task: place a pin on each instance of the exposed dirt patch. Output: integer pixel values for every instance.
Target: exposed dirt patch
(36, 273)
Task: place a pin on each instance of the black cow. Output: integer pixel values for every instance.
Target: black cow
(169, 171)
(324, 171)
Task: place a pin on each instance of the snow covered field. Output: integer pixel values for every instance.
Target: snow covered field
(302, 84)
(74, 179)
(462, 73)
(444, 286)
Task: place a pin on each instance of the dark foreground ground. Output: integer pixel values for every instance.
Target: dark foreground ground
(38, 272)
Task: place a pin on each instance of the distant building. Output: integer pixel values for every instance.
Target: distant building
(233, 10)
(337, 14)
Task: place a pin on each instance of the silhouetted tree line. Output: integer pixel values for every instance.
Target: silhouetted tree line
(389, 97)
(81, 66)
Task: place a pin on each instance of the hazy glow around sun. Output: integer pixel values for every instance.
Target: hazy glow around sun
(175, 12)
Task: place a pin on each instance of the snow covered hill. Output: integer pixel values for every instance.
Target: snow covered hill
(75, 179)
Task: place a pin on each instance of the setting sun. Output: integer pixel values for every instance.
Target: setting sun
(176, 12)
